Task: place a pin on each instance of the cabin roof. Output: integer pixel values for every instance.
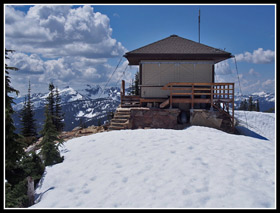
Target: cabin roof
(176, 48)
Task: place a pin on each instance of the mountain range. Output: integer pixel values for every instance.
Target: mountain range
(93, 106)
(88, 106)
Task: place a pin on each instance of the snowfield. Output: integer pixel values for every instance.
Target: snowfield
(260, 123)
(197, 167)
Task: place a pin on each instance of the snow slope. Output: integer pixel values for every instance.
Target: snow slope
(252, 123)
(198, 167)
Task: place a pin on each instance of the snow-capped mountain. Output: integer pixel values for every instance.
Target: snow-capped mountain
(266, 100)
(94, 92)
(88, 106)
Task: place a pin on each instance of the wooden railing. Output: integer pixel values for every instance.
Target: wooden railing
(218, 95)
(214, 93)
(129, 101)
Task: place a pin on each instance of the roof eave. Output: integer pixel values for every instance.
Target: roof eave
(135, 58)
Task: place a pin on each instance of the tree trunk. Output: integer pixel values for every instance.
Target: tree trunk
(30, 190)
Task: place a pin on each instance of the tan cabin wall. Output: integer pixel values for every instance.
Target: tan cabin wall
(155, 74)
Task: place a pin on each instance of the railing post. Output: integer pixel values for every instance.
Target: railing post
(170, 104)
(123, 88)
(122, 91)
(233, 105)
(192, 95)
(212, 96)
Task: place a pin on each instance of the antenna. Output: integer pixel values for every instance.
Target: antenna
(199, 26)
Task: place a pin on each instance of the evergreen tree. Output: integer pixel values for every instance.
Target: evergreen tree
(27, 119)
(58, 114)
(51, 101)
(245, 105)
(13, 145)
(251, 105)
(49, 151)
(136, 84)
(18, 165)
(16, 193)
(258, 105)
(241, 106)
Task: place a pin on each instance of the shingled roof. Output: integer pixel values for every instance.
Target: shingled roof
(176, 48)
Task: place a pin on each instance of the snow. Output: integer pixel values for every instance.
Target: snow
(197, 167)
(260, 123)
(80, 114)
(262, 93)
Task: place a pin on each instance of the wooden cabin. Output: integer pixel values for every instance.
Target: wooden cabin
(176, 72)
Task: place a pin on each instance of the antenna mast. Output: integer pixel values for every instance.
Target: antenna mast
(199, 26)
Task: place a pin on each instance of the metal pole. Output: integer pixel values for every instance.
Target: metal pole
(199, 26)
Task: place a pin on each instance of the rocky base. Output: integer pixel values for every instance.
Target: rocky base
(153, 118)
(76, 132)
(213, 119)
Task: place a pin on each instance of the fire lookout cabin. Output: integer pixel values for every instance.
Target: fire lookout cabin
(177, 75)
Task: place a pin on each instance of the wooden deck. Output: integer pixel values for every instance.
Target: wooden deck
(219, 95)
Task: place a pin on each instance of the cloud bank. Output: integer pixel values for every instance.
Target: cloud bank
(258, 56)
(246, 82)
(69, 46)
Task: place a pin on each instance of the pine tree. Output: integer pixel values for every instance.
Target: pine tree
(250, 104)
(58, 114)
(258, 105)
(18, 165)
(49, 151)
(13, 146)
(136, 84)
(245, 105)
(51, 101)
(241, 106)
(27, 119)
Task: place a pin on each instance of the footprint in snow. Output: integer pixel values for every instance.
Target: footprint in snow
(93, 178)
(125, 179)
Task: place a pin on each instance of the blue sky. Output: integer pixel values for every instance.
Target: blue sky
(79, 45)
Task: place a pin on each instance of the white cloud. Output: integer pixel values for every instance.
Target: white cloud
(64, 71)
(56, 31)
(258, 56)
(28, 64)
(68, 46)
(252, 72)
(268, 82)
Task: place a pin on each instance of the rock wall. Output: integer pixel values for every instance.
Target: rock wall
(153, 118)
(206, 118)
(213, 119)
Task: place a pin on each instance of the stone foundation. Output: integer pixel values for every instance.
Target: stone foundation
(153, 118)
(144, 117)
(210, 118)
(206, 118)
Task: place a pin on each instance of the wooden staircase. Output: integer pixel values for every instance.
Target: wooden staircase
(120, 120)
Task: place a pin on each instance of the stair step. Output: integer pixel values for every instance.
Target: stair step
(121, 117)
(114, 128)
(119, 120)
(118, 124)
(127, 112)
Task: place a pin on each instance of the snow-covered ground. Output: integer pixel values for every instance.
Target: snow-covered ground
(256, 123)
(197, 167)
